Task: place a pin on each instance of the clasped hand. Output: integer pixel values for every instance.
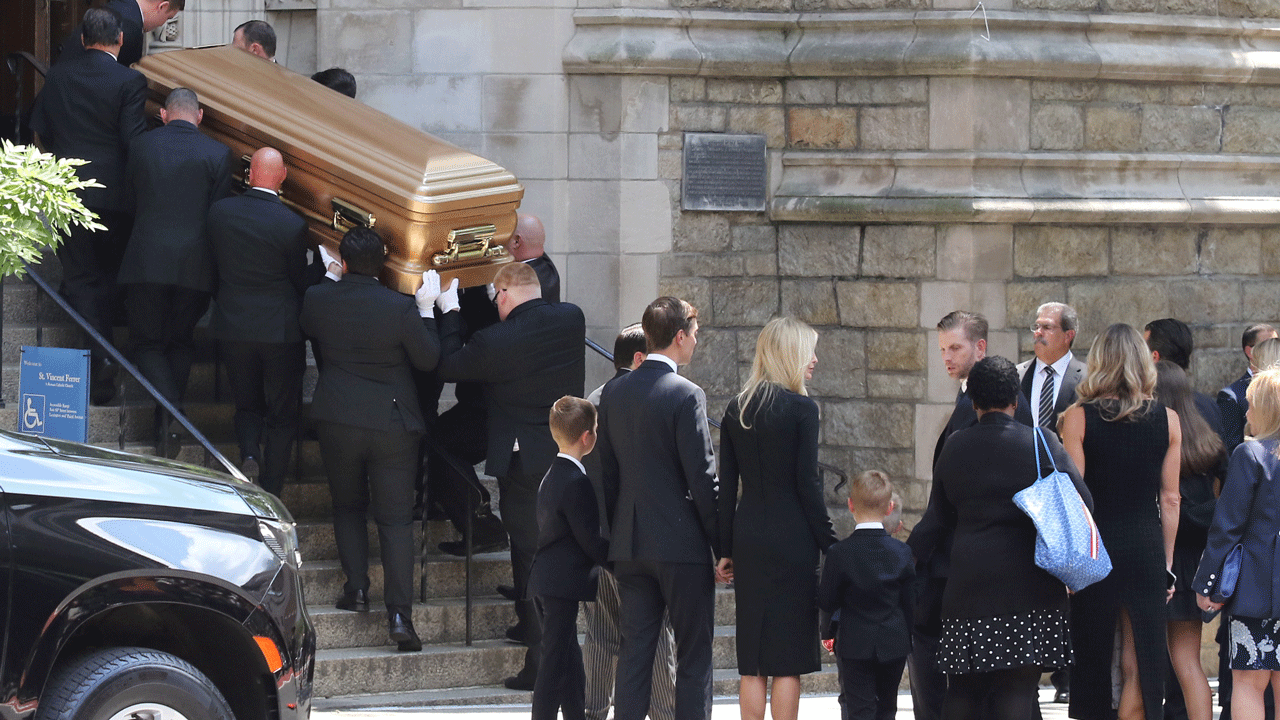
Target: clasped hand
(429, 294)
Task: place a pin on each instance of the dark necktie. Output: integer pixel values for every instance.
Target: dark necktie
(1046, 400)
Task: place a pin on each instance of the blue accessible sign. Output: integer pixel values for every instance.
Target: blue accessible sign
(53, 393)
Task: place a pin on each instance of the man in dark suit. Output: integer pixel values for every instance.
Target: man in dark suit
(526, 362)
(137, 17)
(90, 108)
(256, 37)
(527, 246)
(260, 249)
(1170, 339)
(1231, 399)
(176, 174)
(962, 340)
(1049, 379)
(659, 478)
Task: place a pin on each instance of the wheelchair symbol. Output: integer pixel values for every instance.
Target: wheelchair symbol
(33, 414)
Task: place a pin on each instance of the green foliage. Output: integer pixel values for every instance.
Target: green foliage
(38, 204)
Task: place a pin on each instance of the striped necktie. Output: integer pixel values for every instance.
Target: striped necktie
(1046, 400)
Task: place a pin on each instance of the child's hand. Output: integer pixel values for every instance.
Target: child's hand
(724, 570)
(830, 645)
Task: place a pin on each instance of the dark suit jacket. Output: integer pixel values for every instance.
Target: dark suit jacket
(1066, 393)
(964, 416)
(526, 362)
(176, 174)
(868, 578)
(369, 336)
(548, 277)
(1208, 409)
(992, 542)
(1232, 405)
(1248, 513)
(90, 108)
(130, 22)
(570, 547)
(659, 467)
(260, 249)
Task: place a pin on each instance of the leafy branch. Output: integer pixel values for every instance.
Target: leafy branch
(38, 204)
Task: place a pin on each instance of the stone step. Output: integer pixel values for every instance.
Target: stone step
(445, 575)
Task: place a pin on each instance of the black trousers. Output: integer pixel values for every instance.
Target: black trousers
(518, 504)
(266, 385)
(998, 695)
(870, 687)
(162, 323)
(380, 464)
(928, 683)
(90, 262)
(461, 430)
(562, 682)
(686, 592)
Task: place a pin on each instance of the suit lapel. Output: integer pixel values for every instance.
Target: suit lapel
(1067, 393)
(1028, 376)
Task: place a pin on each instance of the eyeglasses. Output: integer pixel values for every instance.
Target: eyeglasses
(1046, 327)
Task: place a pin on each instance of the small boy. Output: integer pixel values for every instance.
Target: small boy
(565, 566)
(867, 577)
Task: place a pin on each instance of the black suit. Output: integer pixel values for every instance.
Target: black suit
(660, 486)
(1066, 390)
(869, 578)
(564, 572)
(526, 363)
(90, 108)
(259, 248)
(548, 277)
(176, 174)
(130, 23)
(369, 421)
(1232, 404)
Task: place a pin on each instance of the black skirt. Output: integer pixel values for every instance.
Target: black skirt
(1040, 638)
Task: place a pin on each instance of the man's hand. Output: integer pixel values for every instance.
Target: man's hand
(448, 300)
(426, 295)
(724, 570)
(332, 265)
(1208, 605)
(830, 645)
(491, 291)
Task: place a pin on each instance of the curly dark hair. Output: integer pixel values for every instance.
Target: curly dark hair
(993, 383)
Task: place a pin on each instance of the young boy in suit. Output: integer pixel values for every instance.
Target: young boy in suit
(565, 566)
(868, 577)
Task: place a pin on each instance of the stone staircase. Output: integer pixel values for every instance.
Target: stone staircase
(356, 666)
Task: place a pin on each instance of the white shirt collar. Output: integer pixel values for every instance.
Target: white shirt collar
(574, 460)
(1059, 365)
(663, 358)
(113, 55)
(265, 190)
(869, 526)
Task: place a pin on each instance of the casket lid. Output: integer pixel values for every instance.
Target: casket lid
(268, 103)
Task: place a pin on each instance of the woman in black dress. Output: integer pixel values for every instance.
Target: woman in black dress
(1128, 448)
(1004, 619)
(1204, 464)
(772, 538)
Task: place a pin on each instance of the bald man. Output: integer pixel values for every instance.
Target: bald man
(526, 246)
(137, 17)
(260, 250)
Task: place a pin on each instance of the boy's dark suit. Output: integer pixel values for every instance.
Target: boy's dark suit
(565, 568)
(869, 577)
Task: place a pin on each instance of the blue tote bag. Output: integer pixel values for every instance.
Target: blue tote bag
(1068, 544)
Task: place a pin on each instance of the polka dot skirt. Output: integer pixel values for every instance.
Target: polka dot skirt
(974, 645)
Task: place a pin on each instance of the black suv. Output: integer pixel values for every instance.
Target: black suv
(133, 588)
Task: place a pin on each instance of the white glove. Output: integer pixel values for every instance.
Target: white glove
(493, 291)
(332, 265)
(448, 300)
(426, 295)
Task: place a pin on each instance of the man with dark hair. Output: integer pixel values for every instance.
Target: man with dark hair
(256, 37)
(1231, 399)
(1170, 339)
(527, 361)
(368, 419)
(659, 478)
(337, 79)
(260, 249)
(177, 174)
(1050, 378)
(137, 17)
(90, 108)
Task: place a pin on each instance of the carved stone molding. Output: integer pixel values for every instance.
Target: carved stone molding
(1058, 45)
(1077, 188)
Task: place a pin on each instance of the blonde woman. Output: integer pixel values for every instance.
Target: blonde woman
(1248, 514)
(772, 538)
(1128, 448)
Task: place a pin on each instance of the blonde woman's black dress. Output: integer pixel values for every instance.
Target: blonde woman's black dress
(775, 533)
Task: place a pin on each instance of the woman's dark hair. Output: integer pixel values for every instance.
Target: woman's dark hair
(1202, 449)
(363, 252)
(993, 383)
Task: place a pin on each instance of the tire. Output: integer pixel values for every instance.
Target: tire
(130, 683)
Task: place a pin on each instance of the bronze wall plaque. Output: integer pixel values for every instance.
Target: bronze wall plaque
(724, 172)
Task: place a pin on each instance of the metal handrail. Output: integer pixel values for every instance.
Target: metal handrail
(116, 355)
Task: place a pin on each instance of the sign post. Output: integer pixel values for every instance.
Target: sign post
(53, 393)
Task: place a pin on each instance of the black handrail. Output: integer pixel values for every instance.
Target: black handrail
(96, 337)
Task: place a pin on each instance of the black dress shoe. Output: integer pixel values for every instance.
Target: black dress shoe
(355, 600)
(400, 627)
(102, 382)
(521, 681)
(1062, 696)
(459, 547)
(518, 634)
(508, 592)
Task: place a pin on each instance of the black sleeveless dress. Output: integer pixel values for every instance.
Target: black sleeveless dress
(1122, 462)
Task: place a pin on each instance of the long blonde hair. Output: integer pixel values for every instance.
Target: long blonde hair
(1120, 377)
(1266, 354)
(783, 351)
(1264, 404)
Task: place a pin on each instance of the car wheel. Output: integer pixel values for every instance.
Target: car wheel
(131, 683)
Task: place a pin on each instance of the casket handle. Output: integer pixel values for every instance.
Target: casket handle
(473, 243)
(347, 216)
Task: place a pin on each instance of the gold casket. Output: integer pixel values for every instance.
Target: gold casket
(436, 206)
